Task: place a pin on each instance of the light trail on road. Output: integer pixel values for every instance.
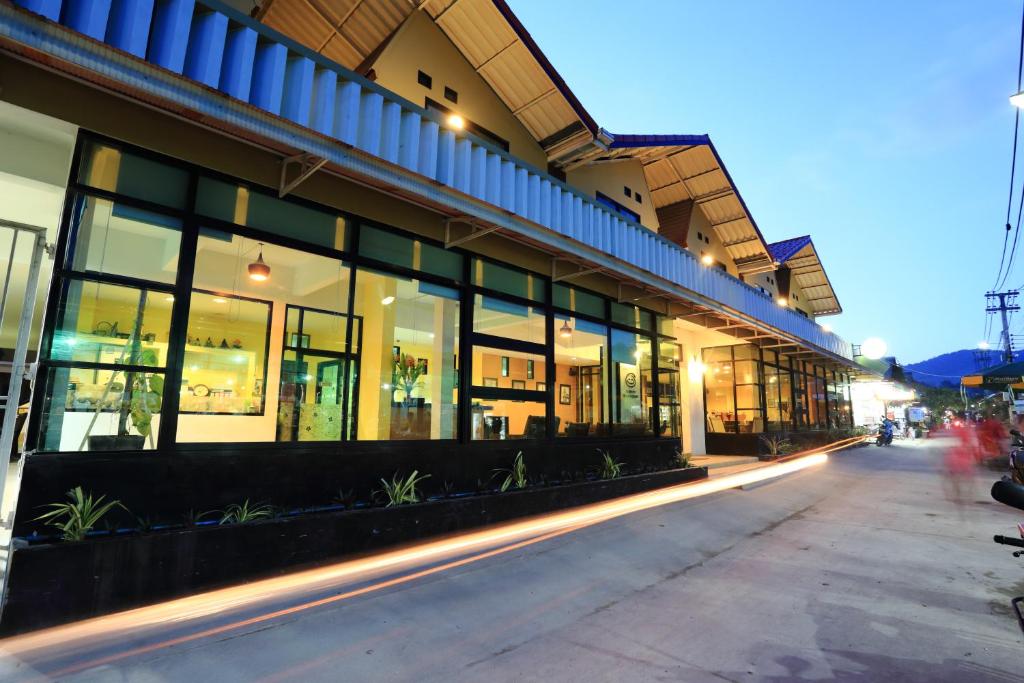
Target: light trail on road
(410, 563)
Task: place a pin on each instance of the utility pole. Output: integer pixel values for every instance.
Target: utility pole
(1003, 303)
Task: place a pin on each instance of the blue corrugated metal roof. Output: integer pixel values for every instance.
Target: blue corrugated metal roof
(786, 249)
(620, 141)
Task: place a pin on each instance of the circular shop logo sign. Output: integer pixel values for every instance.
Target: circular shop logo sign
(630, 380)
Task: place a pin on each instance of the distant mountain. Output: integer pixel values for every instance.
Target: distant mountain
(947, 369)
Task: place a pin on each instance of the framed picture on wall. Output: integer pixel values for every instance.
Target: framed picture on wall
(564, 394)
(424, 363)
(490, 381)
(529, 369)
(396, 351)
(504, 366)
(541, 386)
(299, 340)
(518, 384)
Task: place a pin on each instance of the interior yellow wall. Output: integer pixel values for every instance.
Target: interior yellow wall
(699, 223)
(419, 45)
(609, 178)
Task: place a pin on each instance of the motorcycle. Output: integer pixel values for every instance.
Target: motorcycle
(1016, 456)
(885, 434)
(1010, 493)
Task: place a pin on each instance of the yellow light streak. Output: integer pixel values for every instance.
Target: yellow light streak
(482, 543)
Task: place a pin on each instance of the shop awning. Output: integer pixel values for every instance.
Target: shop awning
(997, 378)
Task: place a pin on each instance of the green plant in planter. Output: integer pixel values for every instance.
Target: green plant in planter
(245, 512)
(610, 469)
(401, 491)
(515, 477)
(193, 517)
(79, 515)
(682, 459)
(776, 444)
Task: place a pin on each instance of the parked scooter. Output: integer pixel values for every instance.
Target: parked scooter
(885, 433)
(1016, 456)
(1012, 494)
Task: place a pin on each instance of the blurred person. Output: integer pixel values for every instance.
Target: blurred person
(959, 461)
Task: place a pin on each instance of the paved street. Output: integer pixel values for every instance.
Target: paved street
(856, 570)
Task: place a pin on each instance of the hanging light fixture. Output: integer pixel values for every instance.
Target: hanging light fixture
(258, 269)
(565, 332)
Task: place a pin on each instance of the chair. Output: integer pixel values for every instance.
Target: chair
(577, 428)
(535, 426)
(715, 424)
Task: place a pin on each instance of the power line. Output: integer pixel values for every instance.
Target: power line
(1013, 169)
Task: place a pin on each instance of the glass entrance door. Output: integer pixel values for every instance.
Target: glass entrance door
(313, 369)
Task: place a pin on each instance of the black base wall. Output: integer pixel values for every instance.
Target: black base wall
(59, 582)
(162, 487)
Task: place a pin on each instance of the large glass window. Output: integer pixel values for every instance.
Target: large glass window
(265, 356)
(116, 239)
(580, 383)
(408, 387)
(632, 384)
(508, 280)
(225, 369)
(733, 386)
(501, 318)
(670, 421)
(506, 403)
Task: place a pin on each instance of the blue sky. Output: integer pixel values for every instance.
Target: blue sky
(880, 128)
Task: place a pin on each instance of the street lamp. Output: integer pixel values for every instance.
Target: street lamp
(983, 345)
(873, 348)
(1018, 100)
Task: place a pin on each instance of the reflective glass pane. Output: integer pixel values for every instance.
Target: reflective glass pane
(117, 239)
(581, 370)
(490, 365)
(225, 358)
(507, 319)
(237, 204)
(102, 323)
(578, 301)
(100, 410)
(502, 419)
(502, 279)
(310, 398)
(110, 169)
(407, 360)
(631, 384)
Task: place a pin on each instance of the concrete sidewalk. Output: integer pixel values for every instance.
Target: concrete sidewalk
(859, 569)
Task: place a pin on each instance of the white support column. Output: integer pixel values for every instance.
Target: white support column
(446, 158)
(463, 165)
(429, 131)
(478, 183)
(370, 113)
(533, 198)
(391, 132)
(346, 114)
(409, 141)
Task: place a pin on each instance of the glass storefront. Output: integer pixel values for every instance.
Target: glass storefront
(190, 308)
(752, 390)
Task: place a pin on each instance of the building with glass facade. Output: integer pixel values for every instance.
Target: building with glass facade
(388, 230)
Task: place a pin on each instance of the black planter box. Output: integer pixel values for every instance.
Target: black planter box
(59, 582)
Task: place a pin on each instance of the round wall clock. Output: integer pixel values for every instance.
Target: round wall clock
(201, 390)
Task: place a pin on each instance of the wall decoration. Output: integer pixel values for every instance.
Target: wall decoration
(490, 381)
(504, 366)
(529, 369)
(518, 384)
(424, 363)
(299, 340)
(564, 394)
(542, 386)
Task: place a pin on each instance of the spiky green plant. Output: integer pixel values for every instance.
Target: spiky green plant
(682, 459)
(402, 491)
(610, 469)
(245, 512)
(193, 517)
(514, 477)
(776, 444)
(79, 515)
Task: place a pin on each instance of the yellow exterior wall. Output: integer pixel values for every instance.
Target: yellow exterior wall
(419, 45)
(609, 178)
(699, 223)
(799, 301)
